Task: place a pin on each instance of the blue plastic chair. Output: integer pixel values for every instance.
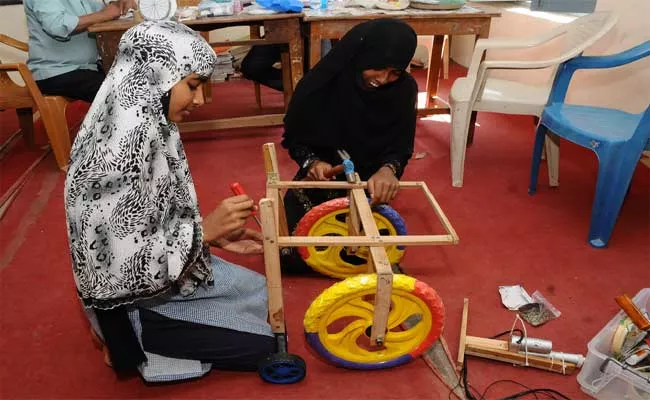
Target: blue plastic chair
(618, 138)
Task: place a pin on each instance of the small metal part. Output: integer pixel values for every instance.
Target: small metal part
(577, 359)
(531, 345)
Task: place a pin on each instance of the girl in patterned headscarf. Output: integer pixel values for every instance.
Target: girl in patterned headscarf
(141, 262)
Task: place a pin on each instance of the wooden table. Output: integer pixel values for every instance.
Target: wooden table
(278, 29)
(466, 21)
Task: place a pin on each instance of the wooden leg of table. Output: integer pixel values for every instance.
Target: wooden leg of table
(433, 73)
(314, 45)
(296, 57)
(445, 57)
(287, 84)
(254, 33)
(272, 266)
(258, 95)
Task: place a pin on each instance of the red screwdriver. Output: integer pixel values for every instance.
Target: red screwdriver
(238, 189)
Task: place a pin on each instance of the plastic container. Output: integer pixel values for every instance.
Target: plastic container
(605, 379)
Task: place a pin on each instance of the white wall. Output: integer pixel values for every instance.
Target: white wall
(627, 88)
(12, 23)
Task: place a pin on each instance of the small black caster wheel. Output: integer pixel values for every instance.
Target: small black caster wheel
(282, 368)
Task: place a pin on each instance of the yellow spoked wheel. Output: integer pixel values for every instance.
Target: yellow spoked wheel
(329, 219)
(339, 321)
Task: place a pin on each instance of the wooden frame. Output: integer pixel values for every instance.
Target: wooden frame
(278, 29)
(499, 350)
(276, 236)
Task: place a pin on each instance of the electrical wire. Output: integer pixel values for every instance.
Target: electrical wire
(469, 389)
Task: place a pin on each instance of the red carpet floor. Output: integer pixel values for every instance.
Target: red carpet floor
(507, 237)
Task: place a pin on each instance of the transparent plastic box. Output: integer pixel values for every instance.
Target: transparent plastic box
(604, 378)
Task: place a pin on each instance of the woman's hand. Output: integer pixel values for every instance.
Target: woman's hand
(318, 170)
(228, 217)
(241, 241)
(383, 186)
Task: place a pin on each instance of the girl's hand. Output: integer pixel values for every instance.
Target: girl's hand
(241, 241)
(227, 218)
(318, 170)
(383, 186)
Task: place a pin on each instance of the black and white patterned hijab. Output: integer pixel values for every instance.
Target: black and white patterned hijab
(131, 208)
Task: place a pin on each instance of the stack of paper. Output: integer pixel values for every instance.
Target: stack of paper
(223, 68)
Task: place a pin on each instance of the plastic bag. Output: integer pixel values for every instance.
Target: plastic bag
(282, 5)
(539, 312)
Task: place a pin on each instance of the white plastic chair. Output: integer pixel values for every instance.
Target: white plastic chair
(479, 92)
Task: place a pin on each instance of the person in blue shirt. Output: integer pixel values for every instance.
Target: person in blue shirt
(63, 56)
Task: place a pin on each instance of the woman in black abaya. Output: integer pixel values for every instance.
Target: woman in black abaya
(359, 98)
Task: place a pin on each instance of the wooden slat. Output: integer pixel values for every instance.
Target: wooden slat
(406, 240)
(335, 185)
(198, 24)
(463, 336)
(11, 42)
(382, 267)
(354, 227)
(438, 210)
(230, 123)
(272, 266)
(270, 159)
(498, 350)
(271, 169)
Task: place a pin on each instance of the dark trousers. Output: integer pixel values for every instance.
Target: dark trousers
(226, 349)
(258, 65)
(81, 84)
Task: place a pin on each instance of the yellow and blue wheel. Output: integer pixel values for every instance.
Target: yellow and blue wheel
(339, 321)
(329, 219)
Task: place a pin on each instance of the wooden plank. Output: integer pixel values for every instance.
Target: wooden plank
(498, 350)
(382, 300)
(283, 225)
(354, 227)
(270, 159)
(198, 24)
(432, 16)
(272, 266)
(382, 266)
(335, 185)
(230, 123)
(271, 169)
(438, 210)
(463, 334)
(407, 240)
(246, 42)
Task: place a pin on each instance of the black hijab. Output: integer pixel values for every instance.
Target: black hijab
(332, 109)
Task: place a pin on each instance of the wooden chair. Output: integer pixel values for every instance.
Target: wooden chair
(25, 99)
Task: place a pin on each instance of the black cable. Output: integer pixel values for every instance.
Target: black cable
(504, 381)
(550, 393)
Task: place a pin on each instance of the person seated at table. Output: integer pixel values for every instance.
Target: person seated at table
(62, 56)
(361, 99)
(155, 296)
(259, 64)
